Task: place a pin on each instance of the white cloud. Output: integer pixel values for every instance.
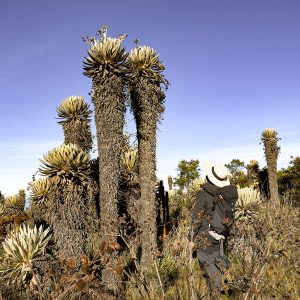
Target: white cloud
(20, 160)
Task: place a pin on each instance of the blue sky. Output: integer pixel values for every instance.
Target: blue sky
(233, 67)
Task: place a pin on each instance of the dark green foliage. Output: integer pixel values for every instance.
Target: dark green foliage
(236, 169)
(187, 172)
(289, 181)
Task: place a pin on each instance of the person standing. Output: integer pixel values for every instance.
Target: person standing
(212, 219)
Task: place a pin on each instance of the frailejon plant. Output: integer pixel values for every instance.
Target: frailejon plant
(247, 204)
(65, 163)
(70, 209)
(269, 138)
(75, 114)
(106, 65)
(147, 104)
(21, 249)
(40, 192)
(15, 203)
(129, 160)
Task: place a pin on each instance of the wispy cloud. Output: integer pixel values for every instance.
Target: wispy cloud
(20, 160)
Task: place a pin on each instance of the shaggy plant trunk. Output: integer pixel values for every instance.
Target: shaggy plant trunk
(72, 214)
(271, 153)
(109, 101)
(78, 132)
(147, 106)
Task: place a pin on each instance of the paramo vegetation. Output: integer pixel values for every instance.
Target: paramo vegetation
(107, 228)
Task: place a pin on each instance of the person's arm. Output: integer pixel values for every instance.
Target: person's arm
(198, 215)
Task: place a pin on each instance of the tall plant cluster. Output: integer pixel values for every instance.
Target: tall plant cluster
(75, 213)
(114, 72)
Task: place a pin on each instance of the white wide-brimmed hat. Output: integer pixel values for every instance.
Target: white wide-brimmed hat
(217, 174)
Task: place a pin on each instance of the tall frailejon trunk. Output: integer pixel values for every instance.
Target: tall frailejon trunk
(109, 101)
(147, 105)
(270, 138)
(106, 65)
(147, 222)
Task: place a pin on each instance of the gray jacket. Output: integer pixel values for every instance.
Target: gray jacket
(207, 215)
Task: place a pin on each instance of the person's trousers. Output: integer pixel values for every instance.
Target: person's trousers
(212, 274)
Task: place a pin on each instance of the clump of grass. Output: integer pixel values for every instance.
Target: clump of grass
(265, 254)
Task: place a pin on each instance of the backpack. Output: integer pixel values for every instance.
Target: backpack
(223, 215)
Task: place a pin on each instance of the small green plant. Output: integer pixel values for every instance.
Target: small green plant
(21, 249)
(129, 161)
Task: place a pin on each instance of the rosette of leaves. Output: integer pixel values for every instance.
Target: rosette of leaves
(39, 190)
(21, 249)
(104, 56)
(247, 204)
(144, 61)
(66, 163)
(73, 107)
